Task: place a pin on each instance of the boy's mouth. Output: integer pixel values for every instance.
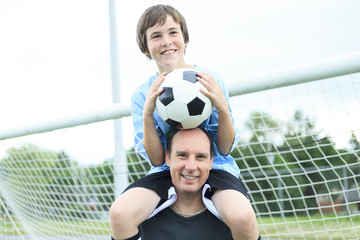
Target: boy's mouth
(169, 52)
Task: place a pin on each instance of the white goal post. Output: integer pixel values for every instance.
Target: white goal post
(299, 158)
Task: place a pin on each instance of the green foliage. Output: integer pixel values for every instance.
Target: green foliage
(137, 166)
(301, 164)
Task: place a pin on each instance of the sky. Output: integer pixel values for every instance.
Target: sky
(55, 55)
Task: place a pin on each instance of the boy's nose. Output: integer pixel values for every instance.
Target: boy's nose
(166, 42)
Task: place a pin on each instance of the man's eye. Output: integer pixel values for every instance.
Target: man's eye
(181, 155)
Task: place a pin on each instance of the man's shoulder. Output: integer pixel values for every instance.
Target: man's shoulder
(169, 225)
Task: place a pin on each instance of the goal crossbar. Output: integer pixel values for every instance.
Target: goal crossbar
(297, 74)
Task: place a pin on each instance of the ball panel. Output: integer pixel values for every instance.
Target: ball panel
(173, 123)
(196, 107)
(192, 122)
(167, 96)
(161, 109)
(184, 91)
(190, 76)
(177, 110)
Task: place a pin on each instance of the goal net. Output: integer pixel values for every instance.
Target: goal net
(299, 158)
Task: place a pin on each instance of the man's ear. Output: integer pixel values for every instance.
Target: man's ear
(212, 160)
(167, 158)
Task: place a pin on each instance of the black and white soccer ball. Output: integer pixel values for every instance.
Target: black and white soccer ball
(181, 104)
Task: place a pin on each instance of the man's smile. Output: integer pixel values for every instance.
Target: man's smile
(189, 177)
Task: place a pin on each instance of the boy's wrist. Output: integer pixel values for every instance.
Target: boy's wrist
(148, 117)
(224, 111)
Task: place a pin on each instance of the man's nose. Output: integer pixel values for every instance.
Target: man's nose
(190, 164)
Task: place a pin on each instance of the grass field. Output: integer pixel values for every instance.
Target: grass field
(314, 227)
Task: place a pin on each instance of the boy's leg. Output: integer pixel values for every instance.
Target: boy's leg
(130, 210)
(237, 213)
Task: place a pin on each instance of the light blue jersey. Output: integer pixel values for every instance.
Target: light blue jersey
(221, 162)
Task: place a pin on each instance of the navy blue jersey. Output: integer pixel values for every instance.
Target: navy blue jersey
(168, 225)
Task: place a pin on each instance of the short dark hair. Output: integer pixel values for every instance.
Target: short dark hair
(172, 133)
(158, 14)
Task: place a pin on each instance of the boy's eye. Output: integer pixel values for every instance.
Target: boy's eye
(156, 36)
(173, 32)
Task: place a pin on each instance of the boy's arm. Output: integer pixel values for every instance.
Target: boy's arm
(151, 139)
(226, 130)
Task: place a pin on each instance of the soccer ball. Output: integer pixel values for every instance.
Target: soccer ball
(181, 104)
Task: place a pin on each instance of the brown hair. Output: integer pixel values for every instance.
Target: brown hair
(170, 135)
(158, 14)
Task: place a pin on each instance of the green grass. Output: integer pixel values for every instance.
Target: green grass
(313, 227)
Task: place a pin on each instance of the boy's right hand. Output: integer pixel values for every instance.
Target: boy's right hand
(153, 92)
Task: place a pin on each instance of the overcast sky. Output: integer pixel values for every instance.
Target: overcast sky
(54, 55)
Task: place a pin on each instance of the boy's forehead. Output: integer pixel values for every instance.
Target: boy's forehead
(169, 22)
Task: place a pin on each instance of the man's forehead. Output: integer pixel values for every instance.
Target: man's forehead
(193, 137)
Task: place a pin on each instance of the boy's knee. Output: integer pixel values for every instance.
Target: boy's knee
(243, 224)
(119, 216)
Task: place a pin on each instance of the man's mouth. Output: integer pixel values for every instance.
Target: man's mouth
(189, 177)
(168, 52)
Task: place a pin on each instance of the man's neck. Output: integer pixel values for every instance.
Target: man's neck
(188, 204)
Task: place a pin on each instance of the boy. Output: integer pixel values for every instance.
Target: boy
(162, 36)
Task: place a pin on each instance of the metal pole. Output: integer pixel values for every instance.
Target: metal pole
(120, 162)
(300, 73)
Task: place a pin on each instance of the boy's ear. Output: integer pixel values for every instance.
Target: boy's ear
(147, 54)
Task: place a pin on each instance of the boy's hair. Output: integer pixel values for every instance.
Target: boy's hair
(172, 133)
(158, 14)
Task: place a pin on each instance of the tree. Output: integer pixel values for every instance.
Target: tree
(300, 164)
(137, 166)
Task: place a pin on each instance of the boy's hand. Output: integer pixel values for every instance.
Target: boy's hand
(213, 92)
(152, 94)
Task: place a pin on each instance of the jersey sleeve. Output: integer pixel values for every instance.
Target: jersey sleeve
(137, 104)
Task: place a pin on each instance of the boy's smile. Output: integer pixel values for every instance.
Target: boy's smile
(168, 52)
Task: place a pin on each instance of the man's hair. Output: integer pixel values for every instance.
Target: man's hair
(158, 14)
(172, 133)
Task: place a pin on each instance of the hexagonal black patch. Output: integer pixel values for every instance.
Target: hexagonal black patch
(195, 107)
(173, 123)
(167, 96)
(190, 76)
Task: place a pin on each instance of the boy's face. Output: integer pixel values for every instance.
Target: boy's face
(190, 160)
(166, 45)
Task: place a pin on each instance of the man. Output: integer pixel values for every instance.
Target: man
(189, 155)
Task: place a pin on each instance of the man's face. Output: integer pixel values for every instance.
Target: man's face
(190, 160)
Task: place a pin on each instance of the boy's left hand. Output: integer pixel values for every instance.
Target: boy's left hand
(213, 92)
